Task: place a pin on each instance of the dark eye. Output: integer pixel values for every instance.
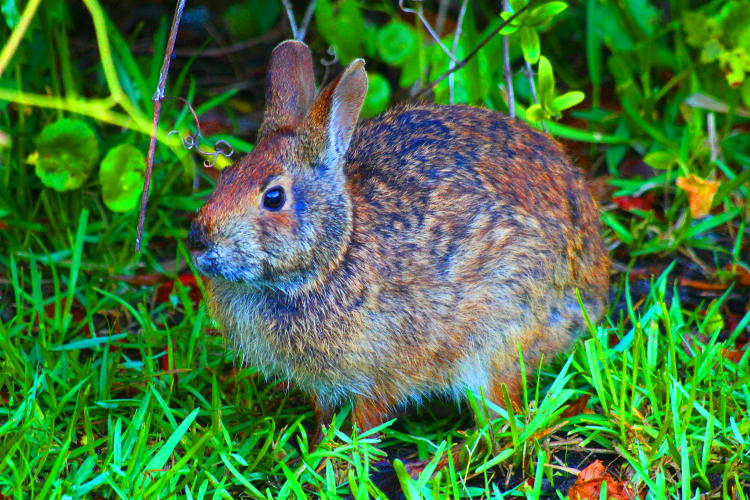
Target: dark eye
(273, 199)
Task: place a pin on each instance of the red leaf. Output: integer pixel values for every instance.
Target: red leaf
(645, 202)
(589, 484)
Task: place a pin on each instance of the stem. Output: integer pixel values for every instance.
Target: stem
(157, 99)
(507, 71)
(454, 48)
(17, 35)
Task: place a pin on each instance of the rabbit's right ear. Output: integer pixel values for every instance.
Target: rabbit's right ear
(290, 87)
(335, 112)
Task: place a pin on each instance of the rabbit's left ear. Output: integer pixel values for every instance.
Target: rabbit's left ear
(290, 87)
(335, 112)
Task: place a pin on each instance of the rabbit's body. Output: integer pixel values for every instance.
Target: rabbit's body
(445, 238)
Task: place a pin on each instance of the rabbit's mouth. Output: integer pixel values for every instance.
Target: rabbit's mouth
(213, 264)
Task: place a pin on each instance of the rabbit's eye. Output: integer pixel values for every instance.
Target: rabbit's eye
(273, 199)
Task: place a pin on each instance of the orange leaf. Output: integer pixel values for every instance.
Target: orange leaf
(589, 484)
(700, 192)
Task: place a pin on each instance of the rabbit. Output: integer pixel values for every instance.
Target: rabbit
(409, 255)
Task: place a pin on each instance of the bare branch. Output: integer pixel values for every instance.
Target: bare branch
(507, 71)
(420, 14)
(157, 99)
(460, 64)
(456, 36)
(290, 15)
(306, 20)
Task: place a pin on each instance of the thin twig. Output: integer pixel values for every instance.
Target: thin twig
(290, 15)
(15, 38)
(506, 70)
(454, 48)
(441, 15)
(532, 85)
(460, 64)
(157, 99)
(306, 20)
(713, 144)
(420, 14)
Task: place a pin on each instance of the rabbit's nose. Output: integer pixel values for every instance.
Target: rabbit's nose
(197, 239)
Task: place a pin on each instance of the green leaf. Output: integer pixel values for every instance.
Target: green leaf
(121, 175)
(68, 151)
(10, 12)
(711, 51)
(536, 113)
(529, 44)
(745, 92)
(378, 95)
(341, 24)
(509, 28)
(546, 78)
(567, 100)
(697, 28)
(544, 13)
(660, 160)
(396, 42)
(165, 452)
(251, 18)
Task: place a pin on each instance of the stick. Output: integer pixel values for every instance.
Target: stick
(507, 72)
(460, 64)
(157, 99)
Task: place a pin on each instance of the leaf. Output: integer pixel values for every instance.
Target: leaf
(510, 28)
(544, 13)
(536, 113)
(711, 51)
(121, 175)
(700, 192)
(341, 24)
(546, 80)
(567, 100)
(530, 44)
(68, 151)
(589, 483)
(251, 18)
(10, 13)
(378, 95)
(697, 28)
(661, 160)
(396, 42)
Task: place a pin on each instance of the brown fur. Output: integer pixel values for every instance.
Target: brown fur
(414, 254)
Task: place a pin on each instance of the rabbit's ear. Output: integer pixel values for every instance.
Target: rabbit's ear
(335, 112)
(290, 87)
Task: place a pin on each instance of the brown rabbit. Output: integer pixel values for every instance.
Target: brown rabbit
(407, 255)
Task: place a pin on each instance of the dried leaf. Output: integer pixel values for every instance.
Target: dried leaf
(589, 484)
(577, 407)
(700, 192)
(742, 275)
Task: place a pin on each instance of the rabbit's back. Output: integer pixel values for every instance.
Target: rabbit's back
(449, 190)
(472, 231)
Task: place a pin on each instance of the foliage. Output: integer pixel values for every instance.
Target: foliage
(67, 151)
(113, 381)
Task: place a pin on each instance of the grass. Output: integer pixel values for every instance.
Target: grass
(116, 383)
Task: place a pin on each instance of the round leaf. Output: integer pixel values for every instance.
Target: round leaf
(536, 113)
(121, 175)
(378, 95)
(396, 42)
(67, 152)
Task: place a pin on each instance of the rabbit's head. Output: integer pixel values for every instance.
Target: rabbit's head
(281, 215)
